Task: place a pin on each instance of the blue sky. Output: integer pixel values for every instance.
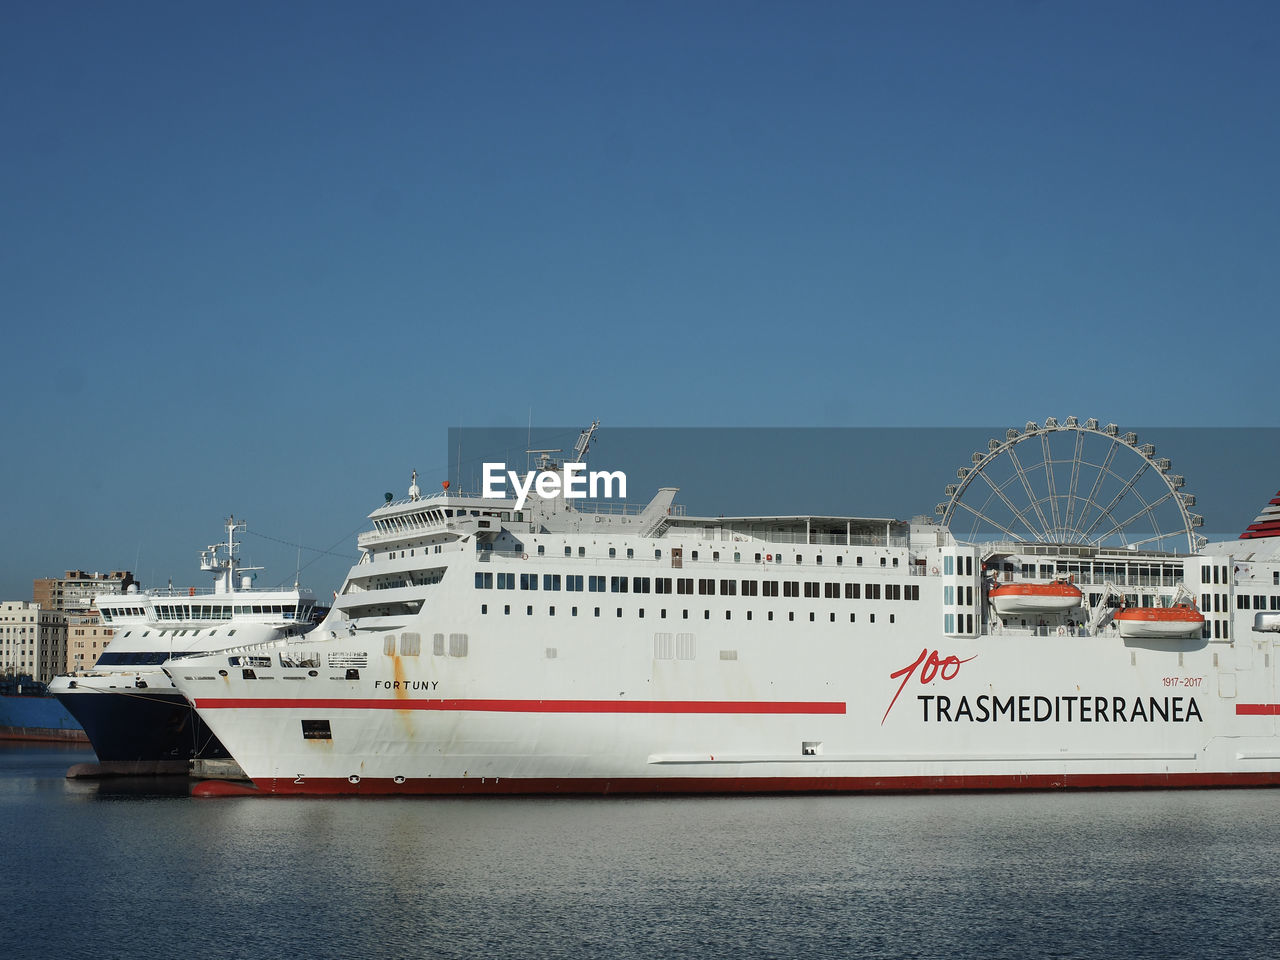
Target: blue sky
(258, 258)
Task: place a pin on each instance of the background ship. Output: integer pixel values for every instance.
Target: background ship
(132, 714)
(29, 712)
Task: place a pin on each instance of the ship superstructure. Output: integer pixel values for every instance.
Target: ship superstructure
(570, 647)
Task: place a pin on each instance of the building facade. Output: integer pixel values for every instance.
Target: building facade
(77, 590)
(32, 640)
(87, 637)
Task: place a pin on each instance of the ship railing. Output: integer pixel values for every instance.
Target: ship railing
(1088, 579)
(176, 593)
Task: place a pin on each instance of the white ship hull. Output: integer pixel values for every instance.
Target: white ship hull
(758, 705)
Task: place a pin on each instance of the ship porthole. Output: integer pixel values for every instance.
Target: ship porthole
(313, 673)
(398, 779)
(353, 779)
(222, 673)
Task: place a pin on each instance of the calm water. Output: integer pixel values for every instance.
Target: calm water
(96, 870)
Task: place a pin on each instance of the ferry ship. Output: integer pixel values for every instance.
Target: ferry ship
(134, 717)
(566, 647)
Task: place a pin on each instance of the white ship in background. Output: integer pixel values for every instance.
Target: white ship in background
(133, 715)
(1060, 624)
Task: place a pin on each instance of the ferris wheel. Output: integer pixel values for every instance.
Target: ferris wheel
(1072, 483)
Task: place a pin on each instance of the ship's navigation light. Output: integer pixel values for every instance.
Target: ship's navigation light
(444, 484)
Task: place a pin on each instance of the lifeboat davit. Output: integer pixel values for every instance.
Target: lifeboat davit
(1266, 622)
(1012, 599)
(1180, 620)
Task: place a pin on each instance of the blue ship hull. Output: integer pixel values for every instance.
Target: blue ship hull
(36, 717)
(142, 725)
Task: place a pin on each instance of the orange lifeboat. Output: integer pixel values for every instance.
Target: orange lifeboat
(1180, 620)
(1012, 599)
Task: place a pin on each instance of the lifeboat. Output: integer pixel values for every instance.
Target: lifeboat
(1013, 599)
(1180, 620)
(1266, 622)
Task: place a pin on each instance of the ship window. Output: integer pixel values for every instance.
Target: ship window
(706, 614)
(573, 611)
(582, 551)
(833, 618)
(819, 559)
(506, 609)
(551, 581)
(484, 608)
(568, 551)
(728, 588)
(528, 581)
(542, 550)
(619, 611)
(484, 581)
(799, 559)
(613, 552)
(630, 553)
(457, 644)
(791, 617)
(410, 644)
(657, 554)
(389, 645)
(694, 554)
(757, 558)
(573, 583)
(737, 557)
(948, 565)
(617, 584)
(551, 611)
(769, 615)
(597, 611)
(873, 618)
(528, 611)
(715, 555)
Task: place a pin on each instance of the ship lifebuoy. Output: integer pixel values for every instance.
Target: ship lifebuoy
(1062, 631)
(935, 570)
(524, 556)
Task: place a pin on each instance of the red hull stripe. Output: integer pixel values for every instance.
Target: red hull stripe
(531, 706)
(662, 785)
(1257, 709)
